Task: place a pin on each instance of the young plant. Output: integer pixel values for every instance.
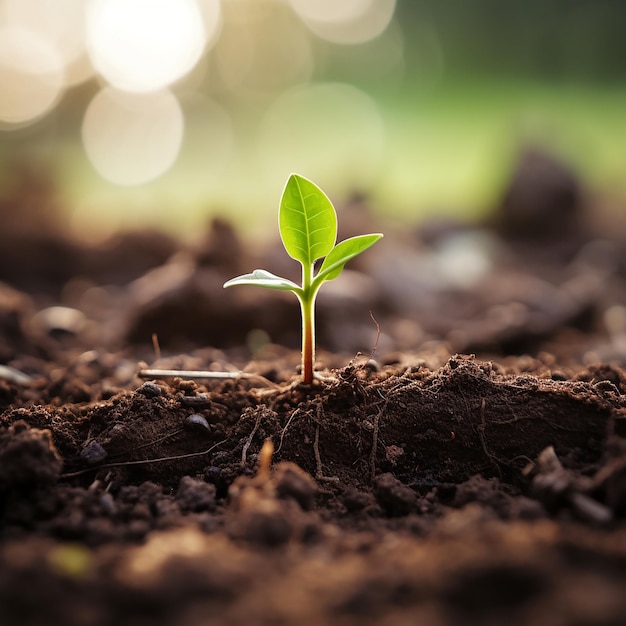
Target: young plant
(308, 229)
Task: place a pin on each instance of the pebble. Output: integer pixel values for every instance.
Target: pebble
(59, 318)
(93, 453)
(371, 365)
(12, 375)
(199, 400)
(108, 504)
(150, 389)
(197, 421)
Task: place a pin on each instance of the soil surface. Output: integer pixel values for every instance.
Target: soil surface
(461, 458)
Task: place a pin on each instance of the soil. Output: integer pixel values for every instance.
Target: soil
(460, 460)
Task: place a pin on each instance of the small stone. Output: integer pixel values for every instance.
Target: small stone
(59, 318)
(93, 453)
(199, 400)
(108, 505)
(150, 389)
(197, 421)
(12, 375)
(371, 365)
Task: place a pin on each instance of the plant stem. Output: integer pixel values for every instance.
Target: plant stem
(307, 306)
(308, 338)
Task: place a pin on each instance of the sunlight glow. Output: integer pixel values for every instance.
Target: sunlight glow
(346, 118)
(61, 23)
(210, 149)
(345, 22)
(132, 138)
(331, 10)
(31, 75)
(145, 45)
(262, 51)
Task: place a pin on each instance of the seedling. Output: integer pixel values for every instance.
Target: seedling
(308, 229)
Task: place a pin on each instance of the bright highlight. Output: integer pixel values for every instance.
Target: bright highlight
(345, 22)
(145, 45)
(61, 24)
(263, 53)
(304, 121)
(31, 75)
(132, 138)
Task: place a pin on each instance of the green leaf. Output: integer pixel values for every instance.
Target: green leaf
(344, 251)
(263, 278)
(307, 221)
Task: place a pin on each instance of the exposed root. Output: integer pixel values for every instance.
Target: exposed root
(319, 471)
(375, 442)
(163, 459)
(277, 390)
(316, 451)
(284, 430)
(153, 442)
(246, 446)
(373, 352)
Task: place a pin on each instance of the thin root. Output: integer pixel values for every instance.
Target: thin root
(143, 461)
(375, 442)
(284, 430)
(319, 472)
(246, 446)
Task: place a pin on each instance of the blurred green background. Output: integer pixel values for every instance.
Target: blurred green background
(166, 112)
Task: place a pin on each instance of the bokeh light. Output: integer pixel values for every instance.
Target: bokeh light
(211, 146)
(262, 49)
(421, 104)
(346, 22)
(31, 75)
(144, 45)
(331, 10)
(61, 24)
(346, 140)
(132, 138)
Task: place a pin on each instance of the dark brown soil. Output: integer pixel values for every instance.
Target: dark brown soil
(414, 484)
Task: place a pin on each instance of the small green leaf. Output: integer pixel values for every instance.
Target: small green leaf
(344, 251)
(263, 278)
(308, 229)
(307, 221)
